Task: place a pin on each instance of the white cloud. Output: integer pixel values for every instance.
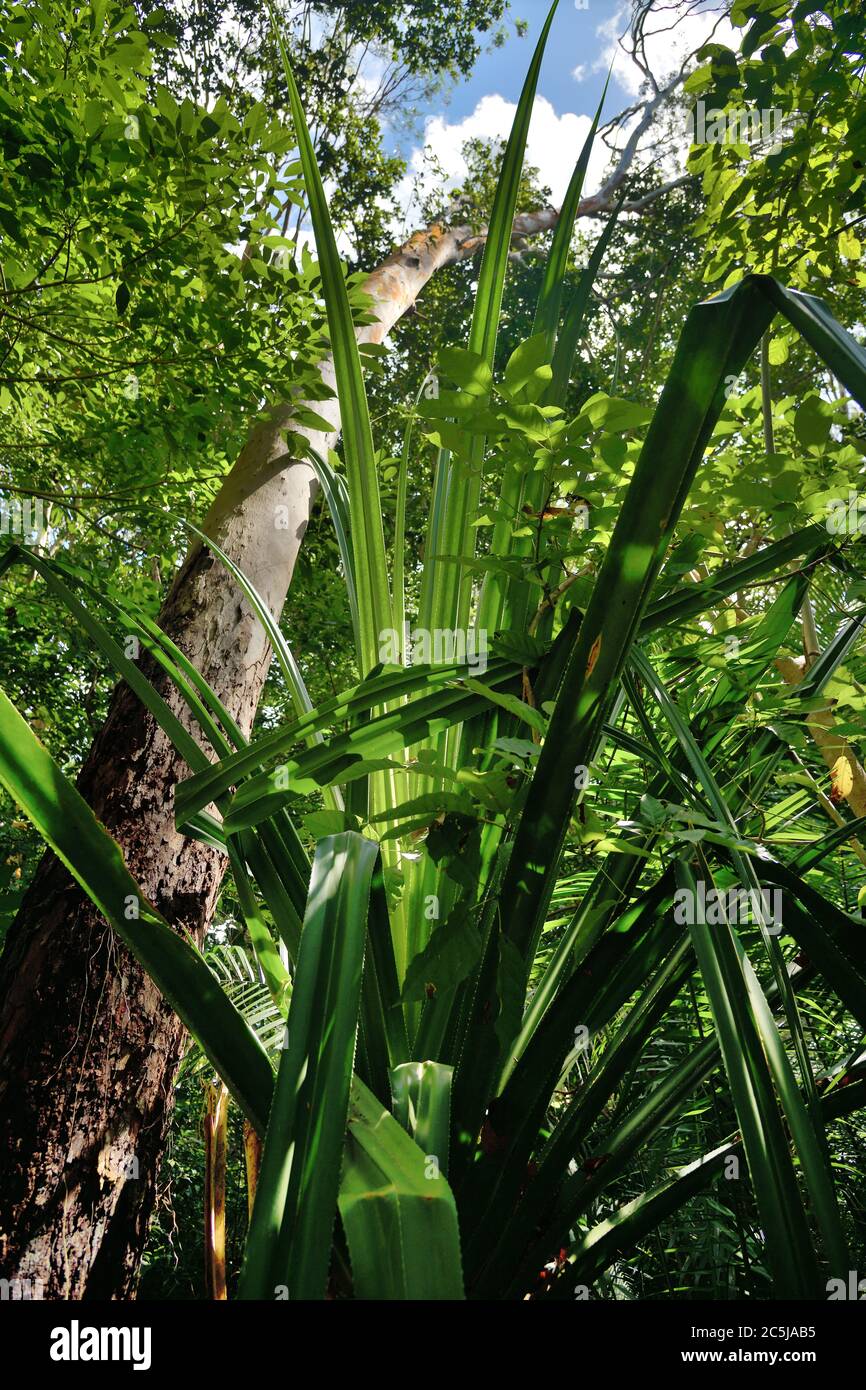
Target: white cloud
(579, 73)
(554, 143)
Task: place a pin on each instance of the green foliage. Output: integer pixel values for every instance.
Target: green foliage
(120, 284)
(505, 1065)
(784, 206)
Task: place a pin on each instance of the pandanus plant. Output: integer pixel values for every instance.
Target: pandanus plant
(452, 1101)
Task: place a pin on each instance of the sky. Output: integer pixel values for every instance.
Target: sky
(574, 47)
(581, 45)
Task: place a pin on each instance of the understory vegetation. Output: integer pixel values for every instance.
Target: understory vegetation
(509, 876)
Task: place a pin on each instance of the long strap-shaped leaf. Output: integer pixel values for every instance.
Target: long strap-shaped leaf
(575, 317)
(336, 496)
(491, 277)
(504, 601)
(812, 854)
(723, 952)
(553, 284)
(789, 1247)
(581, 1190)
(845, 931)
(451, 601)
(375, 691)
(618, 1234)
(282, 651)
(285, 890)
(397, 1210)
(368, 540)
(289, 1242)
(574, 1124)
(421, 1101)
(339, 758)
(842, 974)
(717, 339)
(688, 600)
(608, 881)
(536, 487)
(383, 1042)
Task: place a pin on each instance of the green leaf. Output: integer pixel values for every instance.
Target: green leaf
(716, 341)
(550, 295)
(612, 413)
(421, 1093)
(789, 1244)
(468, 370)
(322, 823)
(524, 362)
(812, 423)
(397, 1210)
(384, 734)
(368, 541)
(450, 955)
(446, 591)
(289, 1242)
